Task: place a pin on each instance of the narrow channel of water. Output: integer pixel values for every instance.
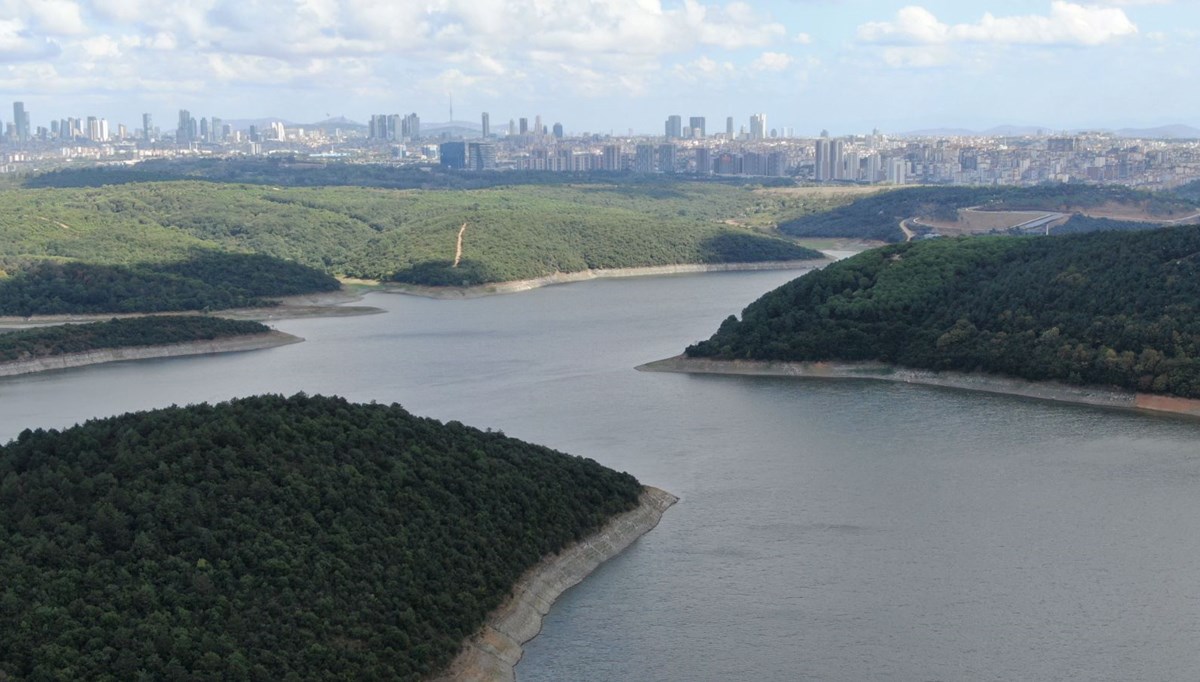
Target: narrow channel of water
(827, 530)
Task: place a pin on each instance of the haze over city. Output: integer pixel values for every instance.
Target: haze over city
(613, 65)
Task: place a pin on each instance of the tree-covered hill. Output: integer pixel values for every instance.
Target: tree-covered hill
(120, 333)
(273, 538)
(878, 216)
(209, 280)
(512, 232)
(1110, 308)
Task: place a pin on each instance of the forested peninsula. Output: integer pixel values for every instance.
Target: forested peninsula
(274, 538)
(1115, 309)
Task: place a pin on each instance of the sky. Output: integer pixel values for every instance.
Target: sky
(847, 66)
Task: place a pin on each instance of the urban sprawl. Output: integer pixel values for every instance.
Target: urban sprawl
(685, 146)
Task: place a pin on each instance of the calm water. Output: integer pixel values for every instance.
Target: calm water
(827, 530)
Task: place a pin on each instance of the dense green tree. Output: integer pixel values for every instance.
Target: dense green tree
(1111, 308)
(273, 538)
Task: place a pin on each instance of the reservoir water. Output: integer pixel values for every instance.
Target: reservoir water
(827, 530)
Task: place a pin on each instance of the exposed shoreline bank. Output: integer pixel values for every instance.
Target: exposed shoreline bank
(585, 275)
(492, 655)
(1103, 396)
(102, 355)
(322, 304)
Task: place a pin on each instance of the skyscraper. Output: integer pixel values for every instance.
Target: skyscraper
(674, 127)
(836, 161)
(758, 126)
(147, 127)
(666, 158)
(20, 122)
(696, 123)
(558, 131)
(524, 126)
(821, 167)
(183, 133)
(410, 127)
(729, 127)
(487, 126)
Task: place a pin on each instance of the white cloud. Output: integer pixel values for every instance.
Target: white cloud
(772, 61)
(1066, 24)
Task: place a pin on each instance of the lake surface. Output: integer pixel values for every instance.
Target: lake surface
(827, 530)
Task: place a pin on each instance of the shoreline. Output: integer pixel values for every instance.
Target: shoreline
(322, 304)
(1100, 396)
(232, 344)
(515, 286)
(493, 653)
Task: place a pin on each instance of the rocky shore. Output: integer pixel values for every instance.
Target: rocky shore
(1103, 396)
(492, 655)
(95, 357)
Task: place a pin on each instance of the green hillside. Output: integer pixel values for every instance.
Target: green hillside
(878, 216)
(512, 232)
(120, 333)
(1110, 308)
(271, 538)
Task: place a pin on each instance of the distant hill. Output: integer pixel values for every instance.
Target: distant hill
(1106, 308)
(1176, 131)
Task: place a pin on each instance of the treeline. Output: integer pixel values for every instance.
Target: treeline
(273, 538)
(207, 281)
(1106, 308)
(292, 171)
(878, 216)
(512, 232)
(120, 333)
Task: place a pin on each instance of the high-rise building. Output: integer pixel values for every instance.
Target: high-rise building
(524, 126)
(558, 131)
(821, 167)
(147, 127)
(93, 128)
(666, 158)
(703, 161)
(481, 156)
(21, 127)
(410, 127)
(674, 127)
(643, 161)
(487, 126)
(897, 171)
(837, 169)
(537, 125)
(729, 127)
(205, 134)
(612, 158)
(758, 127)
(216, 130)
(183, 133)
(453, 155)
(696, 123)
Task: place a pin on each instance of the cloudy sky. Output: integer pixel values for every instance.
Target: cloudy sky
(611, 65)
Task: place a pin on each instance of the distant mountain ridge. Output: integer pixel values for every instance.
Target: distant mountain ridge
(1177, 131)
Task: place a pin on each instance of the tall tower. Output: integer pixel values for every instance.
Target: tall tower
(758, 126)
(183, 134)
(696, 123)
(147, 127)
(836, 160)
(729, 127)
(20, 122)
(821, 169)
(674, 127)
(487, 126)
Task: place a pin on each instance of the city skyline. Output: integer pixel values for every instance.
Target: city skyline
(613, 65)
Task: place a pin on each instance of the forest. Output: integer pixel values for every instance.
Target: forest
(878, 216)
(273, 538)
(209, 280)
(156, 330)
(1102, 308)
(512, 232)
